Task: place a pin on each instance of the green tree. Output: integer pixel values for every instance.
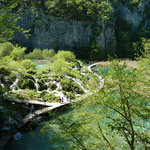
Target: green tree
(8, 20)
(115, 117)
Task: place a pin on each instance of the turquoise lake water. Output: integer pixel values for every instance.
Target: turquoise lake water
(41, 66)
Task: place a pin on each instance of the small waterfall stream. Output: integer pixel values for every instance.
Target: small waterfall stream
(78, 82)
(2, 85)
(15, 85)
(36, 83)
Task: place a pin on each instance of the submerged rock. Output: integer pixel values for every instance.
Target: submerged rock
(17, 136)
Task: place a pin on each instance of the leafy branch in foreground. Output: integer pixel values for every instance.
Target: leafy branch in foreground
(8, 21)
(117, 116)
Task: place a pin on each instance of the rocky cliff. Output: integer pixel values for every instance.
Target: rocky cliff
(48, 31)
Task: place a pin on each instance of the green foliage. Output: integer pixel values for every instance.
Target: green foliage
(26, 83)
(13, 65)
(5, 49)
(41, 85)
(27, 64)
(80, 9)
(47, 54)
(70, 95)
(66, 84)
(32, 94)
(4, 71)
(124, 40)
(115, 117)
(50, 97)
(60, 66)
(71, 86)
(18, 53)
(38, 54)
(66, 55)
(141, 47)
(8, 20)
(96, 52)
(52, 86)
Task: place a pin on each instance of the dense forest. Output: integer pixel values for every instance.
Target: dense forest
(84, 64)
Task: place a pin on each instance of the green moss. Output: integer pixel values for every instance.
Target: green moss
(70, 95)
(26, 83)
(77, 88)
(4, 72)
(50, 97)
(71, 86)
(32, 94)
(66, 84)
(28, 76)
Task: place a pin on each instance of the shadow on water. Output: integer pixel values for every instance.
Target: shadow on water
(34, 140)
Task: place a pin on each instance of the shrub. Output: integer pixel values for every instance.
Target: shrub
(13, 65)
(66, 55)
(52, 86)
(60, 66)
(50, 97)
(36, 54)
(47, 54)
(6, 49)
(96, 51)
(18, 53)
(27, 64)
(66, 84)
(32, 94)
(41, 85)
(26, 83)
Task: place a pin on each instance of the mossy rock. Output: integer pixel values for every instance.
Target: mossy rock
(43, 93)
(66, 84)
(56, 78)
(4, 72)
(41, 86)
(31, 71)
(38, 76)
(77, 88)
(12, 77)
(28, 76)
(46, 78)
(70, 95)
(50, 97)
(26, 84)
(52, 86)
(6, 80)
(32, 94)
(4, 89)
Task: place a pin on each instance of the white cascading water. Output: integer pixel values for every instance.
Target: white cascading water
(78, 82)
(36, 84)
(62, 96)
(2, 85)
(15, 84)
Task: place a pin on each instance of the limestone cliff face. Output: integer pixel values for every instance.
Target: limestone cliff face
(51, 32)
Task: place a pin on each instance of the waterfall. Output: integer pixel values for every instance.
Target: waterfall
(78, 82)
(15, 84)
(2, 85)
(62, 96)
(36, 84)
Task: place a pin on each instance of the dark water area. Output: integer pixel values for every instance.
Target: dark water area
(33, 139)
